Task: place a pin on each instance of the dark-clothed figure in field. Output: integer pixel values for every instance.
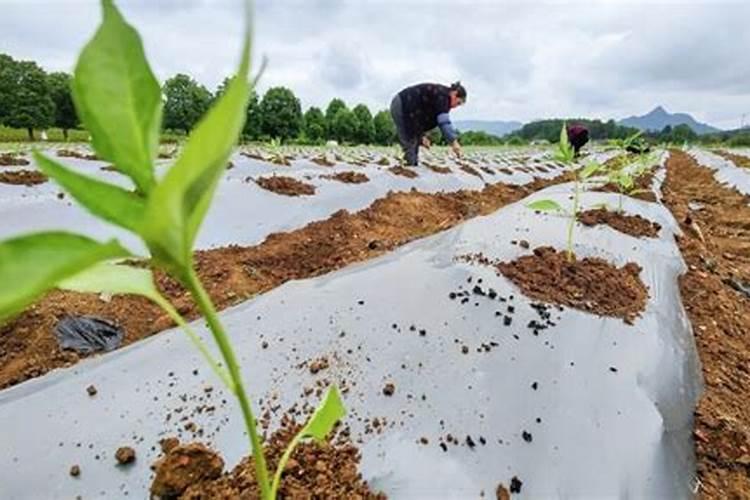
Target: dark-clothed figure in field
(578, 136)
(420, 108)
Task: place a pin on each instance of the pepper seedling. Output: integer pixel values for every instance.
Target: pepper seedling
(120, 103)
(566, 155)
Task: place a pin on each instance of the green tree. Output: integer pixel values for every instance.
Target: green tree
(65, 112)
(385, 129)
(344, 126)
(28, 103)
(280, 114)
(683, 133)
(314, 128)
(187, 101)
(365, 128)
(333, 107)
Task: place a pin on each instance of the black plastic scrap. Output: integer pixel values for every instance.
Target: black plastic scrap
(86, 334)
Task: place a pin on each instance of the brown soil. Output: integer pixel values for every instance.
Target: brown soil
(23, 177)
(716, 248)
(288, 186)
(12, 160)
(739, 160)
(349, 177)
(437, 169)
(634, 225)
(470, 170)
(233, 274)
(403, 171)
(314, 471)
(506, 171)
(322, 161)
(590, 284)
(69, 153)
(253, 156)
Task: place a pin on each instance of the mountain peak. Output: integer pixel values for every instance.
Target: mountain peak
(658, 118)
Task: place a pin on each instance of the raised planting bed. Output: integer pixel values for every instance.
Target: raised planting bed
(288, 186)
(634, 225)
(22, 177)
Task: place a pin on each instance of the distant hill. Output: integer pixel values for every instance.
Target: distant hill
(659, 118)
(494, 127)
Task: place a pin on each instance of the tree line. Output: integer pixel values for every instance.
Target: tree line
(33, 99)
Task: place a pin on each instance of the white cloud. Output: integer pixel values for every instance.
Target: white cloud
(519, 60)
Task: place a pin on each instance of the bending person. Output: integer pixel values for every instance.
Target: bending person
(420, 108)
(578, 136)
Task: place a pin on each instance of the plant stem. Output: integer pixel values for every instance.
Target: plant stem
(222, 340)
(573, 219)
(282, 463)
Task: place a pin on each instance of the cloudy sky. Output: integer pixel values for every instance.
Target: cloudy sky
(519, 60)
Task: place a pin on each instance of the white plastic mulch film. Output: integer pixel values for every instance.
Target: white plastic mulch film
(725, 171)
(589, 408)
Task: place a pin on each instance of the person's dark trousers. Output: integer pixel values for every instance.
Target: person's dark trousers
(410, 145)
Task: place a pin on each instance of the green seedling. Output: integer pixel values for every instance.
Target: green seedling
(566, 155)
(119, 101)
(631, 143)
(625, 178)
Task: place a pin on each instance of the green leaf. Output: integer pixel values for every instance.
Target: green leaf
(589, 170)
(545, 206)
(179, 203)
(112, 278)
(330, 411)
(118, 98)
(33, 264)
(109, 202)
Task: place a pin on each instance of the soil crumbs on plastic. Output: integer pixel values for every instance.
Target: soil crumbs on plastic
(348, 177)
(716, 247)
(403, 172)
(233, 274)
(315, 470)
(590, 284)
(634, 225)
(23, 177)
(288, 186)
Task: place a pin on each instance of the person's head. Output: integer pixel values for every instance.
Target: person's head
(458, 95)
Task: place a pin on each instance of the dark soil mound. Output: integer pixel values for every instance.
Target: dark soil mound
(314, 471)
(69, 153)
(404, 172)
(11, 160)
(634, 225)
(348, 177)
(471, 170)
(437, 169)
(590, 284)
(288, 186)
(322, 161)
(23, 177)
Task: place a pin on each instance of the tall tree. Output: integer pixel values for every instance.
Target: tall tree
(65, 112)
(187, 101)
(280, 113)
(333, 107)
(314, 127)
(344, 126)
(385, 130)
(28, 103)
(365, 129)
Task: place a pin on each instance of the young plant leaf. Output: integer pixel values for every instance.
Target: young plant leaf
(118, 279)
(589, 170)
(33, 264)
(330, 411)
(109, 202)
(545, 206)
(118, 98)
(179, 203)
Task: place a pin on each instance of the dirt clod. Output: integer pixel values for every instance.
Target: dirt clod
(91, 390)
(183, 466)
(125, 455)
(515, 485)
(502, 492)
(389, 389)
(75, 471)
(634, 225)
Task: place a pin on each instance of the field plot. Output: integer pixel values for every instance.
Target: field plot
(471, 353)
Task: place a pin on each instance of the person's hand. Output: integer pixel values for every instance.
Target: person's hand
(426, 142)
(456, 147)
